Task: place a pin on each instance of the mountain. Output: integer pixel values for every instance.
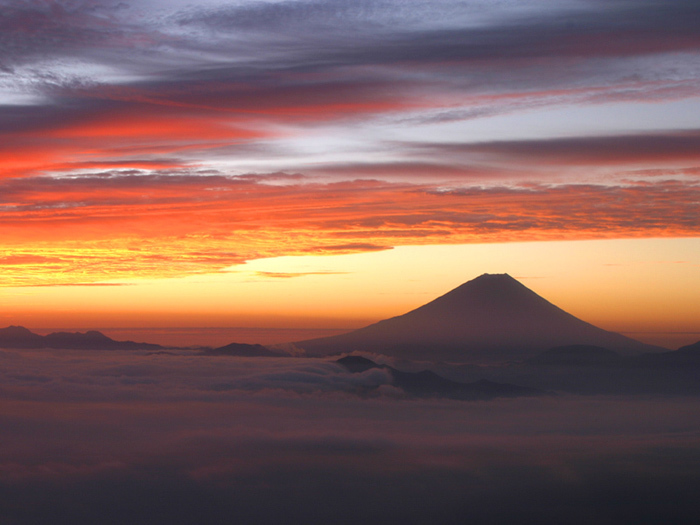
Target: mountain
(685, 357)
(492, 318)
(20, 337)
(430, 384)
(695, 347)
(243, 350)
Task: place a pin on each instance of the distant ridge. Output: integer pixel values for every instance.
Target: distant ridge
(687, 357)
(430, 384)
(492, 318)
(243, 350)
(20, 337)
(695, 347)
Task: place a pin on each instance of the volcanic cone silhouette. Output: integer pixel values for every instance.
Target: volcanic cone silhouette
(492, 318)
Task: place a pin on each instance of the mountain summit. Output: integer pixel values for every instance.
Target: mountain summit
(488, 319)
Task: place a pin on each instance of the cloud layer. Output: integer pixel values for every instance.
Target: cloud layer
(119, 225)
(213, 134)
(182, 438)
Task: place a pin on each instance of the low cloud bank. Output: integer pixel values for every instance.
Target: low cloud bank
(139, 438)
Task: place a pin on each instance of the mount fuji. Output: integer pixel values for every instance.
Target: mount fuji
(493, 318)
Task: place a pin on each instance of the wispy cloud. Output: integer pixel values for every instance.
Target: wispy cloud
(113, 79)
(291, 275)
(116, 226)
(669, 148)
(160, 140)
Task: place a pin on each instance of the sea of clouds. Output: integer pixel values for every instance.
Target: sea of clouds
(174, 437)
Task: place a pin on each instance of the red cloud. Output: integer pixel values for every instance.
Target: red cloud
(120, 226)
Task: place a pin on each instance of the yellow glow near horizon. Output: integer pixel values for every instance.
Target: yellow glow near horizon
(622, 285)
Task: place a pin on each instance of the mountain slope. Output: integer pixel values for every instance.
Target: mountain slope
(488, 319)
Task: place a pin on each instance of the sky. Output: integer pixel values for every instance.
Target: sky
(330, 163)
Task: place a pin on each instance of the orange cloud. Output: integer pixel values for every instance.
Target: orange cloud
(133, 136)
(137, 124)
(94, 229)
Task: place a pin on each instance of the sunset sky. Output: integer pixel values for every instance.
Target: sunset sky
(329, 163)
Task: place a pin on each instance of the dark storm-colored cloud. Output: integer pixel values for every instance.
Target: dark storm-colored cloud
(34, 30)
(286, 17)
(299, 50)
(668, 147)
(589, 29)
(115, 86)
(317, 40)
(407, 30)
(552, 51)
(22, 118)
(406, 170)
(117, 187)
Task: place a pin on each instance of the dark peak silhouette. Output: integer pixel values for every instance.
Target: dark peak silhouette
(492, 297)
(492, 318)
(243, 350)
(20, 337)
(429, 384)
(15, 331)
(495, 288)
(695, 347)
(357, 363)
(685, 357)
(71, 338)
